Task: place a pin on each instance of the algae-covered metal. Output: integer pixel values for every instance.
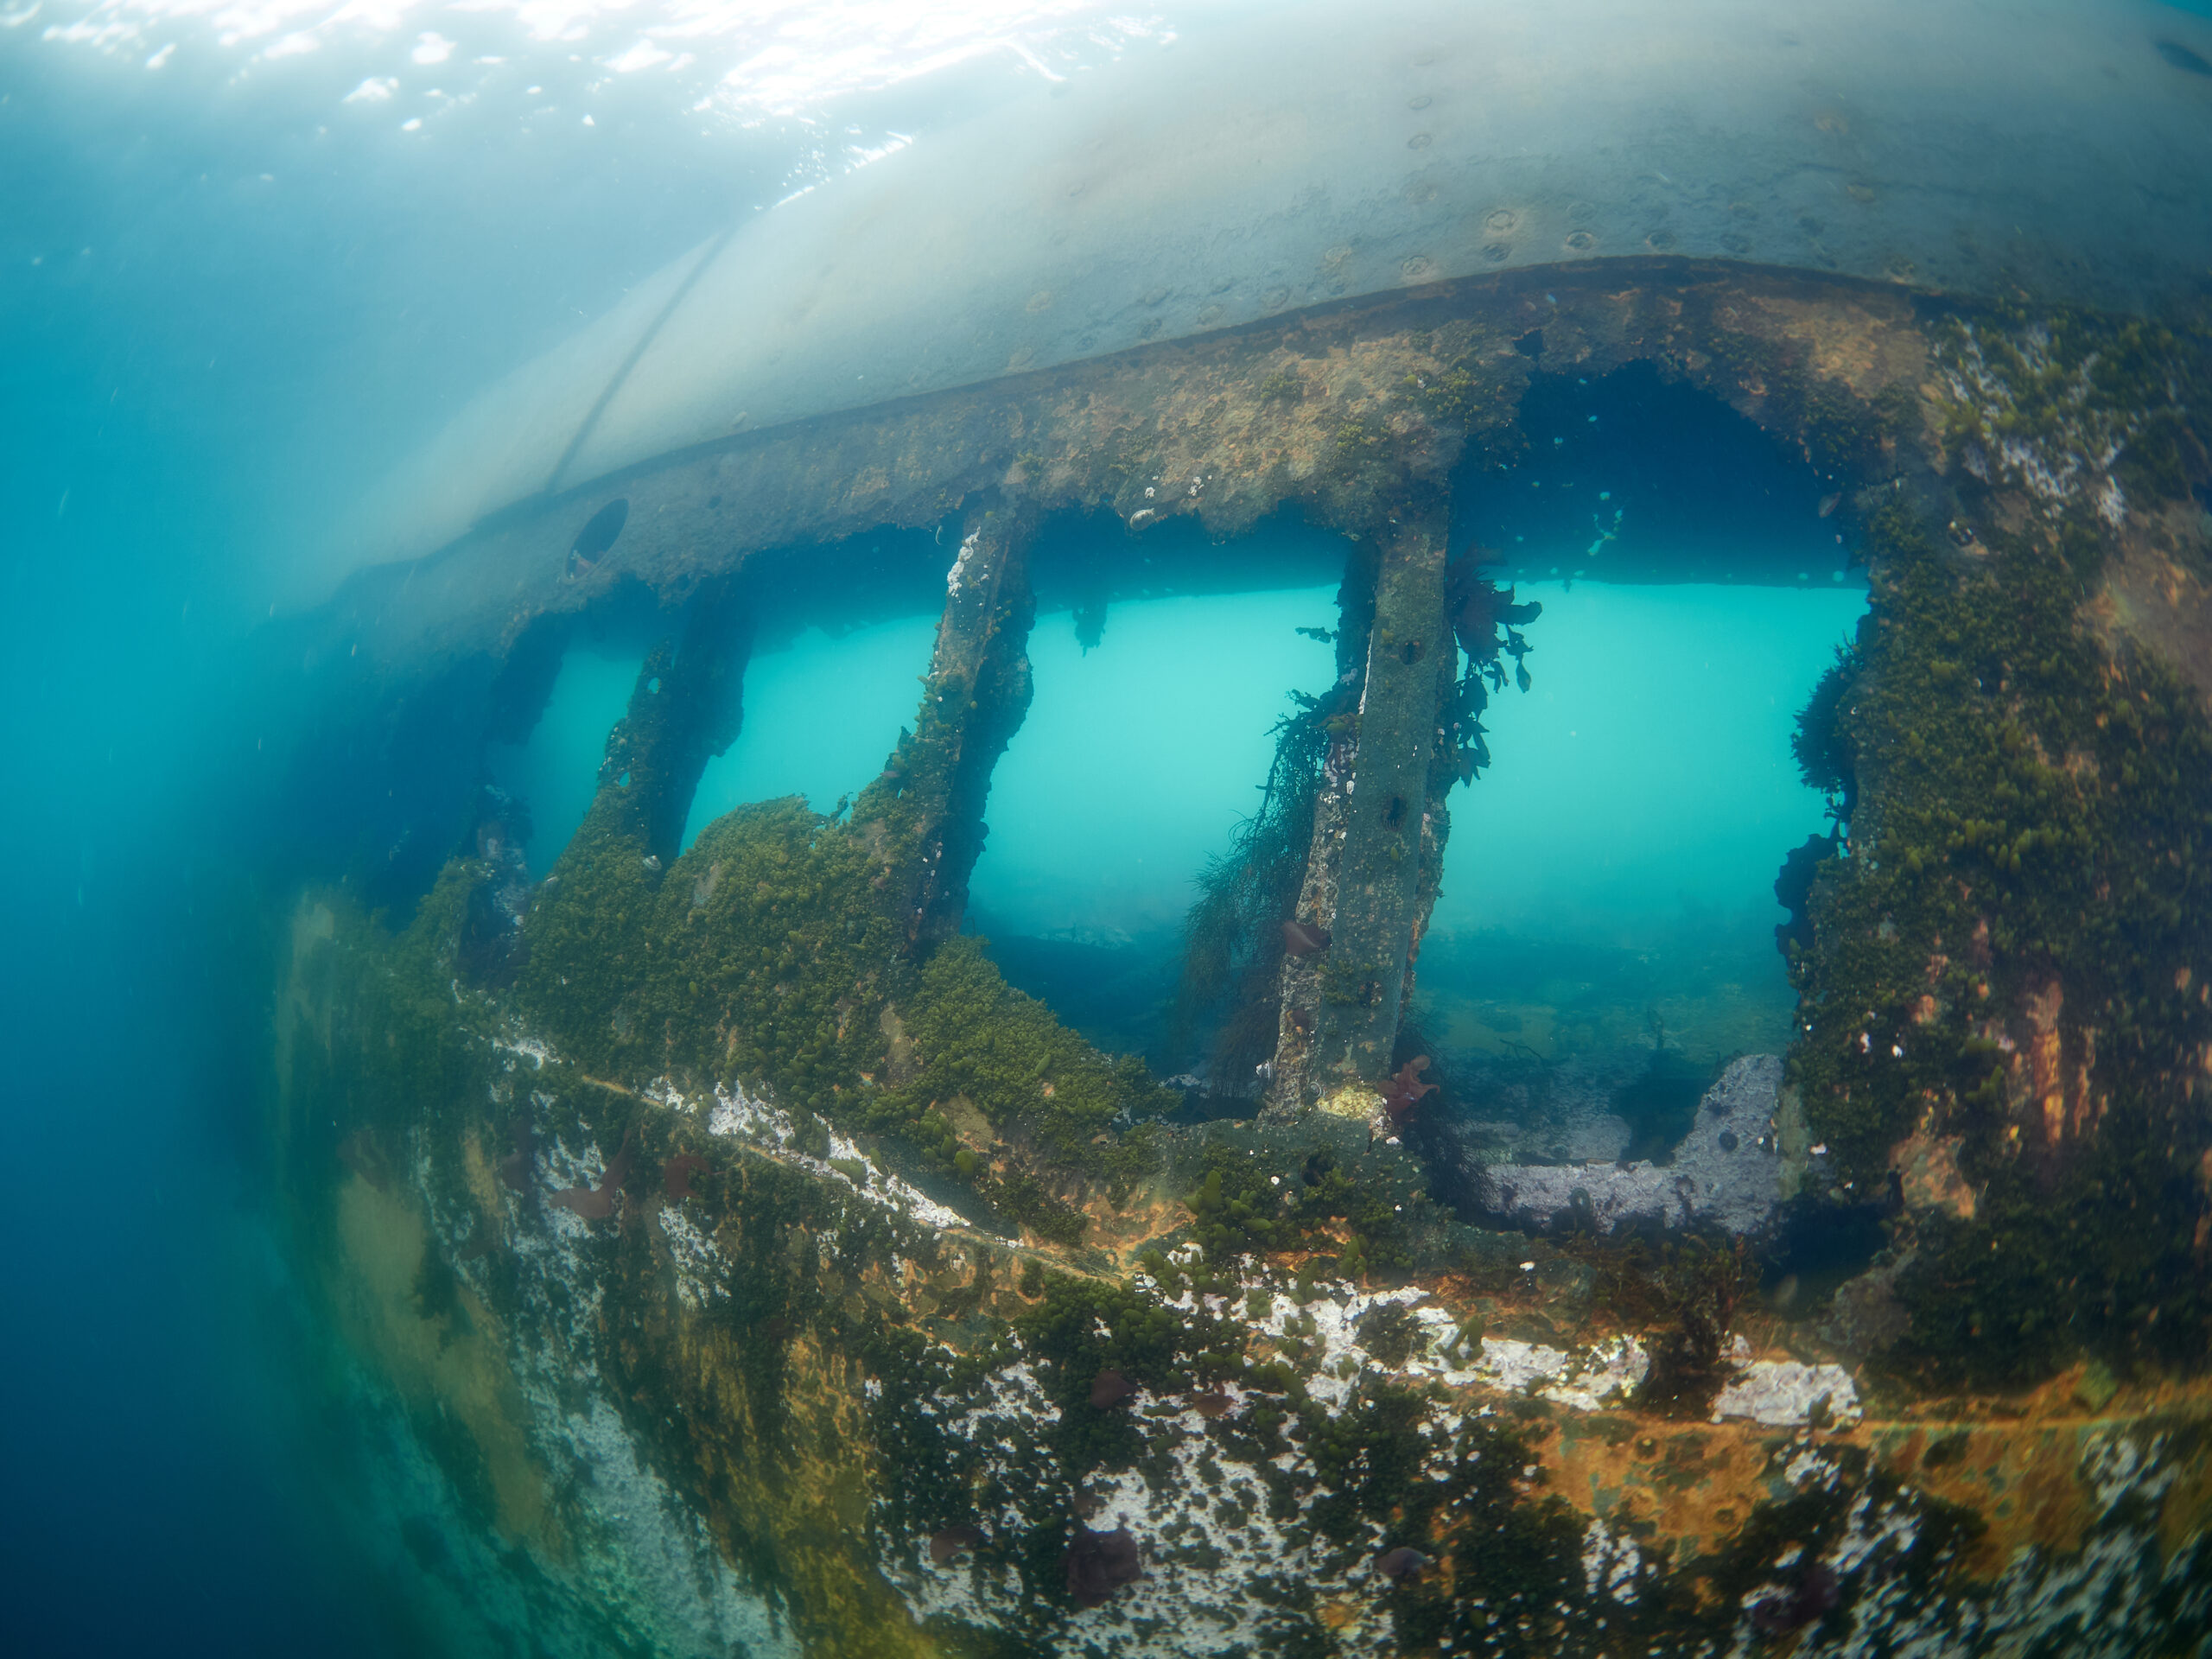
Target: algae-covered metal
(738, 1263)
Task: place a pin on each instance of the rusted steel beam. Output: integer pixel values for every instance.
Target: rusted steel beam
(924, 814)
(686, 708)
(1369, 877)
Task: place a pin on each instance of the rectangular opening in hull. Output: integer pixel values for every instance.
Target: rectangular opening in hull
(1605, 937)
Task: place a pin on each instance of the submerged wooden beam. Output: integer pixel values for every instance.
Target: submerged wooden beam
(1317, 409)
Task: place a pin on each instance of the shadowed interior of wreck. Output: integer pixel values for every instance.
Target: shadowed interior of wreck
(1632, 477)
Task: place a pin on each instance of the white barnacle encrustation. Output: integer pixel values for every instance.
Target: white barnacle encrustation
(954, 578)
(1779, 1394)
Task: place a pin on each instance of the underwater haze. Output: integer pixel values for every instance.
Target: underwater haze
(245, 261)
(289, 292)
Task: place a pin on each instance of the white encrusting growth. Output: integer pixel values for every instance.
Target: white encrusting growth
(766, 1127)
(1870, 1529)
(653, 1550)
(699, 1265)
(2121, 1466)
(2103, 1601)
(1611, 1563)
(1001, 1422)
(1222, 1557)
(1809, 1464)
(1220, 1571)
(2073, 458)
(1782, 1393)
(1217, 1565)
(529, 1048)
(955, 577)
(635, 1550)
(1227, 1562)
(1584, 1380)
(1604, 1374)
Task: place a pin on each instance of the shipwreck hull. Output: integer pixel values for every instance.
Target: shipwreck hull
(748, 1268)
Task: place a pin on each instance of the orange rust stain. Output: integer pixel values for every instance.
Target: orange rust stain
(2150, 597)
(1928, 1168)
(2015, 1462)
(1125, 1231)
(2046, 1073)
(2050, 1507)
(1694, 1483)
(2187, 1507)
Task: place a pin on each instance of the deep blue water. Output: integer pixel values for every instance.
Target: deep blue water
(229, 300)
(156, 1498)
(195, 361)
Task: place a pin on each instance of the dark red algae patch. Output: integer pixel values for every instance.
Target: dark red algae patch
(1403, 1564)
(1815, 1594)
(1479, 607)
(596, 1204)
(590, 1204)
(1405, 1092)
(1099, 1563)
(515, 1167)
(676, 1175)
(952, 1541)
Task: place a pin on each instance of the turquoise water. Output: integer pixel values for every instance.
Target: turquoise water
(1645, 780)
(1641, 795)
(1642, 783)
(557, 770)
(1138, 757)
(822, 715)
